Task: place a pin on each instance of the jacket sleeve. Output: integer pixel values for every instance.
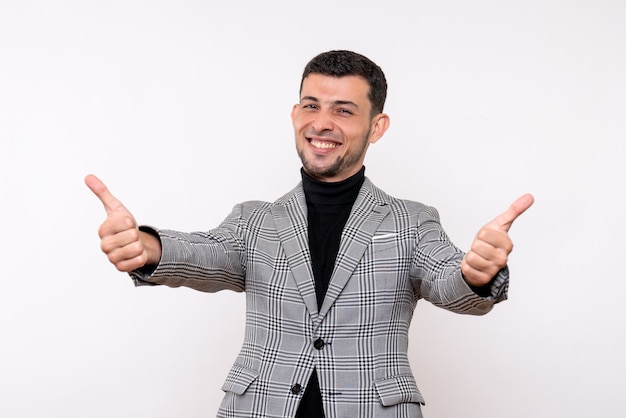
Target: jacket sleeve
(436, 271)
(206, 261)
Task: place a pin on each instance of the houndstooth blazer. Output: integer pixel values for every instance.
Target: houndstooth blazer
(393, 252)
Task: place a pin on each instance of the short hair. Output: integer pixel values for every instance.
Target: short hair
(345, 63)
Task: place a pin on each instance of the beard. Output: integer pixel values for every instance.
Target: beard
(333, 168)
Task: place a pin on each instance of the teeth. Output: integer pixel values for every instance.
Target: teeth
(318, 144)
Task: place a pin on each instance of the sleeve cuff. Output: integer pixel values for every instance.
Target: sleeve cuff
(496, 289)
(140, 275)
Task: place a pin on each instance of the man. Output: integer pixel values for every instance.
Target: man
(332, 270)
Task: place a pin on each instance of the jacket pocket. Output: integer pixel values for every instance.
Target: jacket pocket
(239, 379)
(398, 389)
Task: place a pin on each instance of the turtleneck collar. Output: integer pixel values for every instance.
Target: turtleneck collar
(326, 193)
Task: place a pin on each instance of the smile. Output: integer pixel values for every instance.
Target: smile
(323, 144)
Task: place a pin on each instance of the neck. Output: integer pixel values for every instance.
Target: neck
(318, 191)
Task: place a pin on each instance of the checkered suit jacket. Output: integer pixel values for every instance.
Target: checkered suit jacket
(392, 253)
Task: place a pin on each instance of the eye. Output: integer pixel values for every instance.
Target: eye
(344, 111)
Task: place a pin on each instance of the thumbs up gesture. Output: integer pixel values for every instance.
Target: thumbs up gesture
(491, 247)
(126, 247)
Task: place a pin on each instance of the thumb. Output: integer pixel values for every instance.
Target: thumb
(504, 221)
(110, 202)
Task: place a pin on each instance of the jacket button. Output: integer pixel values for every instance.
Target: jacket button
(319, 344)
(295, 389)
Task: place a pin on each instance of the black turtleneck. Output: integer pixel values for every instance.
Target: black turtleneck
(328, 208)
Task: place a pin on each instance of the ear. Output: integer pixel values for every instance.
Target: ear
(294, 112)
(380, 124)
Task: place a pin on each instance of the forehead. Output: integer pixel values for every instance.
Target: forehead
(328, 88)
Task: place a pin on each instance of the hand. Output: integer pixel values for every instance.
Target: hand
(126, 247)
(491, 247)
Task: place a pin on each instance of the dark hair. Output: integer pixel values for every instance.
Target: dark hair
(345, 63)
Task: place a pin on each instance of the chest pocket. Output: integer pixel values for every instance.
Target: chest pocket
(383, 242)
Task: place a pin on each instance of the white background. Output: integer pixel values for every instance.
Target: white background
(182, 108)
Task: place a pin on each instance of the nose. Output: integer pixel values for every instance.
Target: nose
(323, 122)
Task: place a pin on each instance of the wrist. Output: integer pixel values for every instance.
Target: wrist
(151, 244)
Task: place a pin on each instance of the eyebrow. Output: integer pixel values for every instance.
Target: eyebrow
(335, 102)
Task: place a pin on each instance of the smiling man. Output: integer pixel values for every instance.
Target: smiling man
(332, 270)
(334, 124)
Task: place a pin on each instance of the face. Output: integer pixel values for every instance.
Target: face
(333, 126)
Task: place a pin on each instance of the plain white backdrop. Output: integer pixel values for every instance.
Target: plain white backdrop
(182, 108)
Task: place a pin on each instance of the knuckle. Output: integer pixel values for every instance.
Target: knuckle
(113, 259)
(106, 246)
(142, 259)
(502, 260)
(471, 258)
(483, 234)
(122, 267)
(127, 222)
(133, 233)
(135, 249)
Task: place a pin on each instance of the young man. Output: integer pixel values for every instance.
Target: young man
(332, 270)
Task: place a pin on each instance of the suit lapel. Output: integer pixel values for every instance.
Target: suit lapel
(290, 219)
(367, 214)
(291, 224)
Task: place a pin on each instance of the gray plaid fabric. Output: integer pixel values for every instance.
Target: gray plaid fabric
(393, 252)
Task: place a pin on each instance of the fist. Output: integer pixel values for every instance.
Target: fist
(125, 246)
(491, 248)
